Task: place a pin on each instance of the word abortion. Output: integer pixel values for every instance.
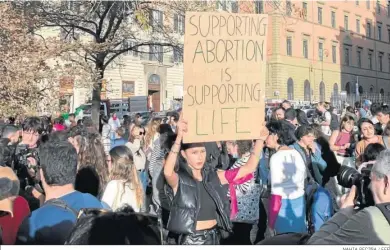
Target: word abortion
(228, 39)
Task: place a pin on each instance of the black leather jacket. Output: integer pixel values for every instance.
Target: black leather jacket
(185, 204)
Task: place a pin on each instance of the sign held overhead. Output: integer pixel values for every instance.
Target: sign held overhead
(224, 76)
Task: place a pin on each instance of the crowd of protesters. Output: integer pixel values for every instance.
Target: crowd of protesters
(64, 181)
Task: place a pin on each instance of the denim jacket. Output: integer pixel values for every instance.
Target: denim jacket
(318, 163)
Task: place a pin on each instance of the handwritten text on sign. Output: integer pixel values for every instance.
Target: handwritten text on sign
(224, 76)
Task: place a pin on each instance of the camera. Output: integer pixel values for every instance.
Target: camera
(347, 177)
(22, 166)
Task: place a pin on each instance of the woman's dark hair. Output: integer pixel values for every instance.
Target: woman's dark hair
(124, 227)
(244, 146)
(165, 128)
(363, 120)
(301, 117)
(92, 153)
(282, 130)
(186, 146)
(372, 151)
(303, 130)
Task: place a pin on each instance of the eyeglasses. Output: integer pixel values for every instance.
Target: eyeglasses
(141, 133)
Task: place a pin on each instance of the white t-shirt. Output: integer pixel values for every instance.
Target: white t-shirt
(287, 174)
(326, 129)
(116, 197)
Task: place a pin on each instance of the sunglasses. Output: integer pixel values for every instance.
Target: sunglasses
(141, 133)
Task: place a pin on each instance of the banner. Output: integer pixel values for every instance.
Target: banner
(224, 76)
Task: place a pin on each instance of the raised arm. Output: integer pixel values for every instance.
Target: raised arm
(169, 167)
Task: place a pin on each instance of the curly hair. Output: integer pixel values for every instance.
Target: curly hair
(151, 130)
(92, 153)
(123, 168)
(283, 131)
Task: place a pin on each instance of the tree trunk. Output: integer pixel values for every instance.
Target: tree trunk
(95, 109)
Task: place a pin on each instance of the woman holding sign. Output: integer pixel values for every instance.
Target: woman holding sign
(200, 207)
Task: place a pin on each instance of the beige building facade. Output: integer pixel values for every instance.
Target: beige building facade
(316, 49)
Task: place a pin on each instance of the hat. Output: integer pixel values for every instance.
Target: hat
(9, 187)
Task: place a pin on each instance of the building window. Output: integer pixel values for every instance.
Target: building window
(359, 58)
(378, 7)
(358, 26)
(179, 22)
(346, 22)
(333, 19)
(304, 7)
(319, 15)
(289, 46)
(321, 51)
(305, 49)
(234, 5)
(388, 9)
(346, 56)
(130, 44)
(368, 4)
(288, 8)
(177, 55)
(379, 31)
(380, 61)
(259, 7)
(156, 19)
(368, 29)
(156, 53)
(370, 60)
(388, 59)
(388, 33)
(334, 52)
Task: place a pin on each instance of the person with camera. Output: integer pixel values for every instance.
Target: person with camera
(369, 225)
(53, 221)
(25, 162)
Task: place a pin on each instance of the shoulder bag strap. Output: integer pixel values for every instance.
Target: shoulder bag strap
(62, 204)
(385, 209)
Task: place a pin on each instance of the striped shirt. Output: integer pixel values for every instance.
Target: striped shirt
(244, 187)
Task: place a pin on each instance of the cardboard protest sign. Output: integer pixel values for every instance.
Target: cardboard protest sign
(224, 76)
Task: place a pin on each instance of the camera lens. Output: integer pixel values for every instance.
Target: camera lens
(347, 176)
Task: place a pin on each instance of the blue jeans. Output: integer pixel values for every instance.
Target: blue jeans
(292, 216)
(143, 176)
(321, 207)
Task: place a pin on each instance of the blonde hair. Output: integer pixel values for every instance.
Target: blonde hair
(151, 130)
(123, 168)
